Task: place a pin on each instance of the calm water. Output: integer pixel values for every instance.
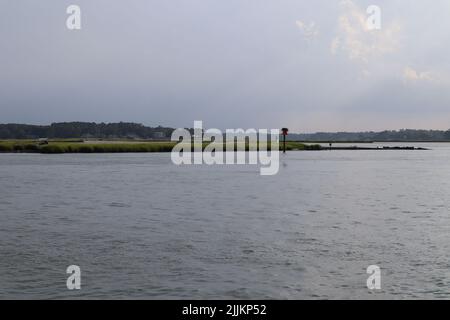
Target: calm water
(139, 227)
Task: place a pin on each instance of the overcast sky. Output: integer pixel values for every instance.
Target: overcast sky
(310, 65)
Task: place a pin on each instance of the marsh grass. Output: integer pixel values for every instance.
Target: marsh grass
(78, 146)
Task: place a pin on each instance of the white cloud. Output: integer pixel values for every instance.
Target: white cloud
(356, 40)
(411, 75)
(309, 31)
(378, 53)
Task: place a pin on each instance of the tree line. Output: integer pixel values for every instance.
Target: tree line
(64, 130)
(130, 130)
(403, 135)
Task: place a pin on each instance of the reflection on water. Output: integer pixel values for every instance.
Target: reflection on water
(139, 227)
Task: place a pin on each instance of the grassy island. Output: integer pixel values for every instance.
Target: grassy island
(80, 146)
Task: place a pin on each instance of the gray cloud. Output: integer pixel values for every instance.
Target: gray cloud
(229, 63)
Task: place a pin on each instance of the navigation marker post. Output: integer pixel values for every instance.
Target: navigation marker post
(284, 132)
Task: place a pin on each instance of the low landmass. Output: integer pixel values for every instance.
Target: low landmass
(84, 137)
(117, 146)
(122, 146)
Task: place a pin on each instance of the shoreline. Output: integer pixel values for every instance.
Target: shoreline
(130, 146)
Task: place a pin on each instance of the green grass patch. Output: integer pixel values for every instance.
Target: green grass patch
(78, 146)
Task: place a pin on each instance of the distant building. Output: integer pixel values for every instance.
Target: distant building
(159, 135)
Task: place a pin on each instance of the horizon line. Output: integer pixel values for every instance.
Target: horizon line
(174, 127)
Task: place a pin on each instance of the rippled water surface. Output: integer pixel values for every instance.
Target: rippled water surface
(140, 227)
